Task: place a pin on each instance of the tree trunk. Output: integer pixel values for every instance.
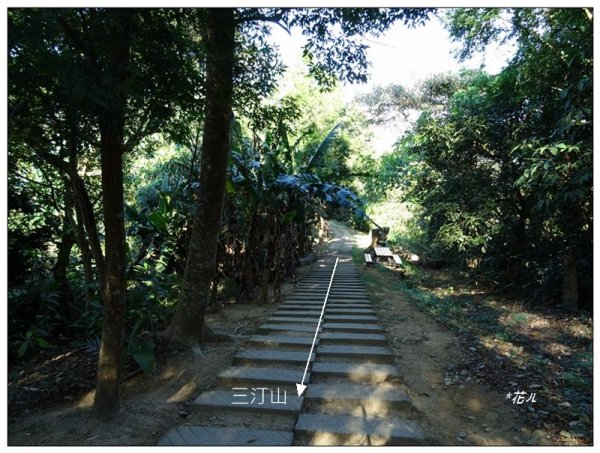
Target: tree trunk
(112, 147)
(59, 271)
(187, 323)
(82, 244)
(570, 287)
(85, 211)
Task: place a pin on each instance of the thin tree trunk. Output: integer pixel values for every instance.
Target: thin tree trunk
(83, 245)
(85, 211)
(112, 147)
(59, 271)
(187, 324)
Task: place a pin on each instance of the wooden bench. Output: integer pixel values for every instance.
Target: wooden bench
(397, 260)
(368, 258)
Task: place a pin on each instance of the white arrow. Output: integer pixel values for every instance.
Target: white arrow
(301, 387)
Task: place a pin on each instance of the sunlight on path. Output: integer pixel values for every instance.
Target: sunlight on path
(343, 239)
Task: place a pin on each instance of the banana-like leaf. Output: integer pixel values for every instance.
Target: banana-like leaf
(317, 156)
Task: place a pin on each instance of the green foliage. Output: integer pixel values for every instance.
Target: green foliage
(499, 168)
(34, 338)
(333, 49)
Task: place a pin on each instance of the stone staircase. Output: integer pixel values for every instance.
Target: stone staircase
(354, 396)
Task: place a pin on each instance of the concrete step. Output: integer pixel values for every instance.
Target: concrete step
(305, 301)
(381, 354)
(264, 376)
(350, 338)
(301, 306)
(185, 435)
(329, 311)
(339, 289)
(349, 430)
(337, 304)
(282, 340)
(350, 327)
(347, 302)
(287, 319)
(350, 318)
(298, 313)
(373, 373)
(325, 285)
(350, 311)
(377, 397)
(291, 327)
(333, 295)
(273, 356)
(339, 295)
(241, 399)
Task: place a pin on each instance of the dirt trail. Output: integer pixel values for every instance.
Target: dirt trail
(456, 409)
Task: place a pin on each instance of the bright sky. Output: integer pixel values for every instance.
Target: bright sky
(401, 56)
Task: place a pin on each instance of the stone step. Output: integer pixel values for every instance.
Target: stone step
(286, 319)
(350, 327)
(302, 306)
(311, 301)
(326, 279)
(373, 373)
(282, 340)
(237, 376)
(349, 430)
(375, 396)
(330, 300)
(306, 295)
(350, 318)
(273, 356)
(299, 313)
(326, 285)
(240, 399)
(372, 353)
(330, 311)
(349, 338)
(350, 311)
(185, 435)
(298, 307)
(336, 304)
(291, 327)
(346, 300)
(341, 289)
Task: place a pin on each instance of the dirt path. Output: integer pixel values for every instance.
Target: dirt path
(456, 408)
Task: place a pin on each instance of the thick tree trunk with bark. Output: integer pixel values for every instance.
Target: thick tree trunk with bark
(112, 147)
(187, 324)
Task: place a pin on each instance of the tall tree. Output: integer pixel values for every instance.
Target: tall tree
(552, 74)
(333, 54)
(220, 47)
(128, 73)
(111, 120)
